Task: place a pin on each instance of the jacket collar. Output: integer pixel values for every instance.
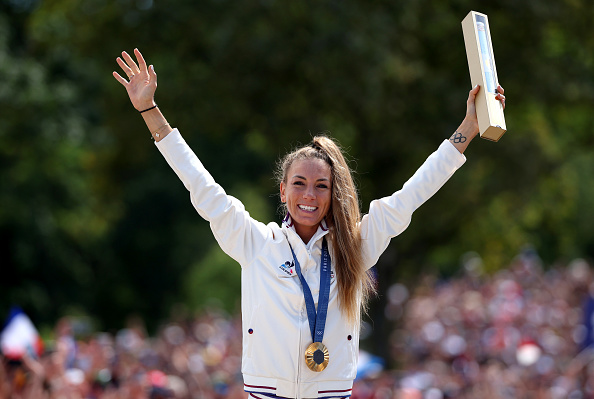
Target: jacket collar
(289, 229)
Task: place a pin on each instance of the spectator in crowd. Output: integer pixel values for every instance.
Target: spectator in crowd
(516, 334)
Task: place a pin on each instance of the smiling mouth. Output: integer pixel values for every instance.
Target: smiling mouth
(307, 208)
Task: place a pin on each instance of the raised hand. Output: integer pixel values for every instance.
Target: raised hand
(141, 83)
(469, 128)
(471, 109)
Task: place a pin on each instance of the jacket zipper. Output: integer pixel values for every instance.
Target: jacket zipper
(298, 382)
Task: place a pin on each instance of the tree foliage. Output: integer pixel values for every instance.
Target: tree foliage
(92, 217)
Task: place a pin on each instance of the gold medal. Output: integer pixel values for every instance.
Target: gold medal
(317, 356)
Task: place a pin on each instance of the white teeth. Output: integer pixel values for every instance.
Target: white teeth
(308, 208)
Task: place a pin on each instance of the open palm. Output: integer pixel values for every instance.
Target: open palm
(141, 83)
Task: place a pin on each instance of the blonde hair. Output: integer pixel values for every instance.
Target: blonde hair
(355, 283)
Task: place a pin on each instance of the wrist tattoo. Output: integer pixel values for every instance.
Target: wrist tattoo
(458, 138)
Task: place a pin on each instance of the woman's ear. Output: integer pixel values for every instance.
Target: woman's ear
(282, 193)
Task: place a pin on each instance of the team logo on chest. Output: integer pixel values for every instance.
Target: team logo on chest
(288, 267)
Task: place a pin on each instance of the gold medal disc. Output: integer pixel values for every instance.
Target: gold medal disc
(317, 356)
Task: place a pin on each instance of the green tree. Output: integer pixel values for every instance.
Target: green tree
(53, 215)
(245, 81)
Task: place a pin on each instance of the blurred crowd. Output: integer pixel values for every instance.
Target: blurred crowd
(195, 359)
(523, 332)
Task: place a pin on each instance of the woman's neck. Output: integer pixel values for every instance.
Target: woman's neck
(305, 232)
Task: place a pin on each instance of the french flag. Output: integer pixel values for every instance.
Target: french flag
(19, 336)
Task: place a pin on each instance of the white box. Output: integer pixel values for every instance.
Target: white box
(481, 63)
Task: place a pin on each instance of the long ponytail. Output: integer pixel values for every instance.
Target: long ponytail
(355, 284)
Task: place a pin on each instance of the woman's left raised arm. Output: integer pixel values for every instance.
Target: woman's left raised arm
(468, 129)
(390, 216)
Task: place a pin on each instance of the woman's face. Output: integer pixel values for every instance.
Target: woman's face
(308, 194)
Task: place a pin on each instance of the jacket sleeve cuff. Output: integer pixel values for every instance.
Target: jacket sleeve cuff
(452, 153)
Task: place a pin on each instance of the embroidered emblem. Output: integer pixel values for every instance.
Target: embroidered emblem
(288, 268)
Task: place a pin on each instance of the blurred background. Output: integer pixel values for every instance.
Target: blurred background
(97, 233)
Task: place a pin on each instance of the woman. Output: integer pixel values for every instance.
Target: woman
(304, 282)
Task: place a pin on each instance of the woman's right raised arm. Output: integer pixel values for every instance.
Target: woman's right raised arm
(141, 86)
(237, 233)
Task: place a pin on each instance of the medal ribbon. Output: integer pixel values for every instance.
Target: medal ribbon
(317, 322)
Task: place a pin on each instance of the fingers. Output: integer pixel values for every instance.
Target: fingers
(140, 58)
(125, 67)
(472, 94)
(501, 99)
(500, 95)
(123, 81)
(129, 66)
(153, 74)
(130, 62)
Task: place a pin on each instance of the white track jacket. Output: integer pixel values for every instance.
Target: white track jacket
(275, 327)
